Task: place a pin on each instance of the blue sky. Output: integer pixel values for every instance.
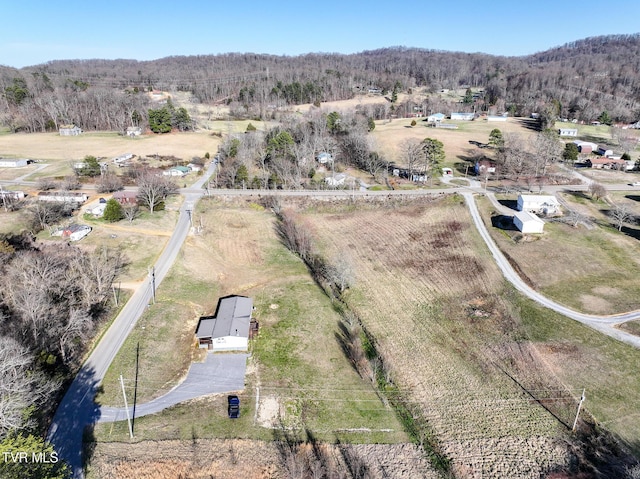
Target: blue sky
(33, 32)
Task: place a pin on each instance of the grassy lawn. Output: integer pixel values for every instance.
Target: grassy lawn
(582, 358)
(632, 327)
(604, 284)
(297, 363)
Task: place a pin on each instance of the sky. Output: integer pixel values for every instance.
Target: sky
(37, 31)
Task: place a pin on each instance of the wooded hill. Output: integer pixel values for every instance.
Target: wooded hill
(577, 80)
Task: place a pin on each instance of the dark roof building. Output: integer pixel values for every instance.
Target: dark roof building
(228, 330)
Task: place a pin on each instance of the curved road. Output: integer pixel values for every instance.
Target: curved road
(77, 409)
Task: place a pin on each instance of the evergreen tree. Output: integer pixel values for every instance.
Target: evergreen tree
(496, 139)
(113, 211)
(42, 461)
(160, 120)
(570, 153)
(468, 96)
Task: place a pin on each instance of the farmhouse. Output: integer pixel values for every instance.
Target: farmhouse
(69, 130)
(324, 158)
(14, 163)
(484, 166)
(435, 118)
(229, 329)
(13, 195)
(462, 116)
(607, 163)
(335, 180)
(528, 222)
(544, 204)
(133, 131)
(63, 196)
(567, 132)
(76, 232)
(176, 171)
(126, 198)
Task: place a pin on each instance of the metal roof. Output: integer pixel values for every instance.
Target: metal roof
(232, 319)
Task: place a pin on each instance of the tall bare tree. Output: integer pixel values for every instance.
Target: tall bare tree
(153, 189)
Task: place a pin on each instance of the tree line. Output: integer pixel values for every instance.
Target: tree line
(578, 80)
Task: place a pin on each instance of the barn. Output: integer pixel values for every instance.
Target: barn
(229, 329)
(528, 222)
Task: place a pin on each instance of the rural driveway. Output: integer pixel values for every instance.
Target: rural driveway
(219, 373)
(604, 324)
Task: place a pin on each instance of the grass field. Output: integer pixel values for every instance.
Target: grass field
(432, 298)
(304, 378)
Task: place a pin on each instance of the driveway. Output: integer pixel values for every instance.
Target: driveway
(219, 373)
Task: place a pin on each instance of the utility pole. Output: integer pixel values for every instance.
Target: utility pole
(575, 423)
(152, 273)
(126, 407)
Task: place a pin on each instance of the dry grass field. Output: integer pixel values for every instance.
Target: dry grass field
(388, 137)
(433, 300)
(52, 146)
(250, 459)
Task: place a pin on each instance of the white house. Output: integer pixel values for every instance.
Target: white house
(603, 151)
(528, 222)
(194, 167)
(567, 132)
(228, 330)
(76, 232)
(462, 116)
(63, 196)
(176, 171)
(436, 118)
(13, 163)
(98, 210)
(324, 158)
(134, 131)
(497, 118)
(335, 180)
(544, 204)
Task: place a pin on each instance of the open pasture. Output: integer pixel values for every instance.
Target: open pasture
(433, 300)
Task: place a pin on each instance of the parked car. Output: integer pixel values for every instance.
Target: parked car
(635, 183)
(234, 406)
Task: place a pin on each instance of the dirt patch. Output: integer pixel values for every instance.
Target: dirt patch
(595, 304)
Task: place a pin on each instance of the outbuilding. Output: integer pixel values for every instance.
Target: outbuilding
(14, 163)
(528, 222)
(229, 329)
(462, 116)
(436, 118)
(567, 132)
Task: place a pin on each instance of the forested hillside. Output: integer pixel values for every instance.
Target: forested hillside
(577, 80)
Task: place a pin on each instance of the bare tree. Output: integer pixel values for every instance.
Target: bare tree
(46, 183)
(340, 272)
(130, 212)
(621, 214)
(412, 154)
(22, 387)
(597, 190)
(153, 189)
(109, 183)
(548, 149)
(70, 183)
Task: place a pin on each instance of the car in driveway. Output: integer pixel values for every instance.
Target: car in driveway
(233, 408)
(635, 183)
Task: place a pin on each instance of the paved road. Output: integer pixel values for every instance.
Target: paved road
(77, 409)
(219, 373)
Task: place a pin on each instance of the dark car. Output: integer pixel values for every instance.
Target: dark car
(234, 407)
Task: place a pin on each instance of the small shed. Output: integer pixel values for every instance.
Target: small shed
(528, 222)
(69, 130)
(541, 204)
(335, 180)
(134, 131)
(324, 158)
(229, 329)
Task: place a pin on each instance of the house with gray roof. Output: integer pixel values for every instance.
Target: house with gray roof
(229, 329)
